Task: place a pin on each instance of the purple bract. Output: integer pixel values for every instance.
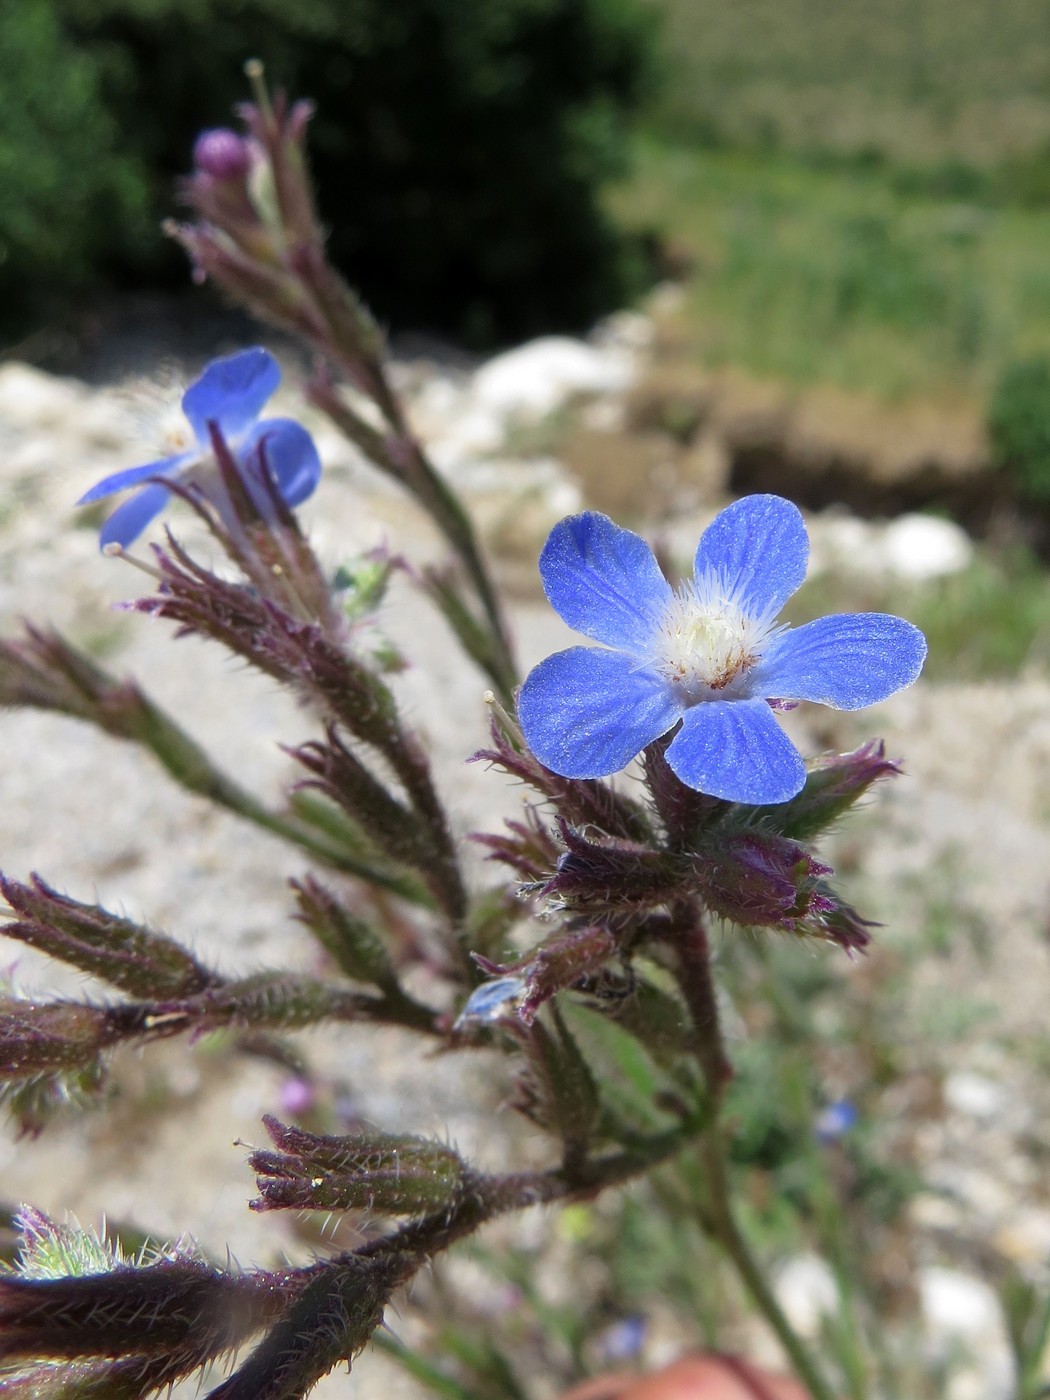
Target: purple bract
(710, 656)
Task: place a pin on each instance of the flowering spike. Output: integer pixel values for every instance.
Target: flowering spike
(381, 1173)
(257, 236)
(135, 959)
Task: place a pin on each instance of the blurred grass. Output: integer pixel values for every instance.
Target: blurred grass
(899, 80)
(814, 275)
(864, 190)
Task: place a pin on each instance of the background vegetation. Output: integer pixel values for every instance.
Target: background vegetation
(863, 190)
(461, 144)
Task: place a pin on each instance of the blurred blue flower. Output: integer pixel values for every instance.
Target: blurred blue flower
(230, 393)
(622, 1340)
(835, 1119)
(710, 655)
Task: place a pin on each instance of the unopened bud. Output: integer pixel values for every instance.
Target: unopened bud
(222, 154)
(352, 943)
(759, 879)
(390, 1175)
(138, 961)
(612, 873)
(43, 1038)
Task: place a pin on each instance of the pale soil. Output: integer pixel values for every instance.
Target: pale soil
(99, 820)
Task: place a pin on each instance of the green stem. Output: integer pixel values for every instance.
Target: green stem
(191, 767)
(447, 510)
(697, 985)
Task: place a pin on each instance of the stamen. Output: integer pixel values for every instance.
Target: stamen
(113, 550)
(708, 641)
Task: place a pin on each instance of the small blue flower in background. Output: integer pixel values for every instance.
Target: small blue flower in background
(622, 1340)
(834, 1120)
(711, 654)
(231, 393)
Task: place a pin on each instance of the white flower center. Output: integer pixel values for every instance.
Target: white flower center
(707, 642)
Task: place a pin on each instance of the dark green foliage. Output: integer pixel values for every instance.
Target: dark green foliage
(1019, 425)
(460, 143)
(70, 200)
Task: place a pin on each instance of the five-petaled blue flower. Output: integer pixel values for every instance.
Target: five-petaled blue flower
(710, 655)
(230, 393)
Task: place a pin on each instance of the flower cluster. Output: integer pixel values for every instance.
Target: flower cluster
(227, 399)
(709, 658)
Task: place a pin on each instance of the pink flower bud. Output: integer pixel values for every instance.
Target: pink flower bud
(222, 154)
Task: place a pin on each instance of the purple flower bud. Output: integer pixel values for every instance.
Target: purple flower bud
(222, 154)
(757, 878)
(135, 959)
(298, 1096)
(612, 873)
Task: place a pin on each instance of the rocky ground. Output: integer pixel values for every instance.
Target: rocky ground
(967, 829)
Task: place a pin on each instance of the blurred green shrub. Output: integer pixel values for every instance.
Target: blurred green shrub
(70, 202)
(1019, 425)
(460, 144)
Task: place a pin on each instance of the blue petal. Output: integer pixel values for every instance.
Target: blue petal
(586, 712)
(604, 581)
(129, 520)
(231, 392)
(760, 548)
(290, 455)
(735, 749)
(131, 476)
(490, 1001)
(848, 660)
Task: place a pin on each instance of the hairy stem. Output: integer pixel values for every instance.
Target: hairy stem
(697, 985)
(342, 1304)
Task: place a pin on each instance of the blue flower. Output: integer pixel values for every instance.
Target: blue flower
(710, 656)
(835, 1120)
(230, 393)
